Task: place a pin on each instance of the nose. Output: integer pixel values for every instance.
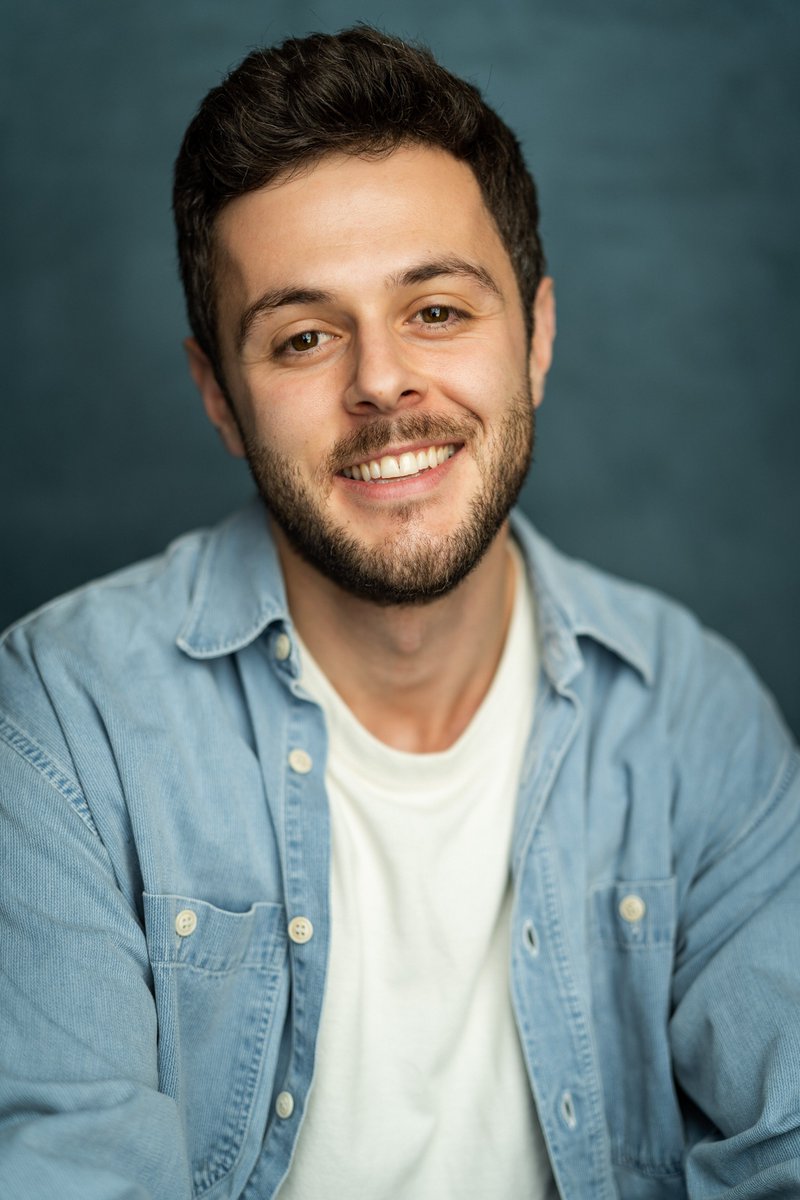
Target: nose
(383, 377)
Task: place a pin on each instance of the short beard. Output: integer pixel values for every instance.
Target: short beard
(431, 566)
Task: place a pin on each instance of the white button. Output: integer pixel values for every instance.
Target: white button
(284, 1104)
(301, 930)
(300, 762)
(283, 646)
(185, 922)
(632, 908)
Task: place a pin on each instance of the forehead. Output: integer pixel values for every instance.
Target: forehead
(351, 219)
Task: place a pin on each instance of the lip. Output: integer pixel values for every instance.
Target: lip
(408, 486)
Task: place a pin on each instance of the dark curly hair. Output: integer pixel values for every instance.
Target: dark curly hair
(356, 92)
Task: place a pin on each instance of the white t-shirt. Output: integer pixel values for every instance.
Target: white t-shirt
(420, 1089)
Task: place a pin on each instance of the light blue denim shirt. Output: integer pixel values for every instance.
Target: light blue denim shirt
(159, 835)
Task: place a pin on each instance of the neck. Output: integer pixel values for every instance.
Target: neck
(413, 675)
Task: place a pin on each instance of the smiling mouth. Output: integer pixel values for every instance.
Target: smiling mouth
(400, 466)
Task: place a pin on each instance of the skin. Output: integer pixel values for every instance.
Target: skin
(380, 351)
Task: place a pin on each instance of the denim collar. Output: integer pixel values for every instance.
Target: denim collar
(239, 592)
(574, 600)
(238, 589)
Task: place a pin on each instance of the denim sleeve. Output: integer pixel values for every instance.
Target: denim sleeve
(81, 1117)
(735, 1028)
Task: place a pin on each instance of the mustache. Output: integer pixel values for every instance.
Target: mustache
(365, 443)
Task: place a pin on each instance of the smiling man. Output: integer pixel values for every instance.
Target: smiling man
(366, 846)
(388, 353)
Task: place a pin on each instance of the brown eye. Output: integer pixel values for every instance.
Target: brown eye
(435, 314)
(308, 340)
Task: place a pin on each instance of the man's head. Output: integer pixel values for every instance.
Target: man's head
(357, 92)
(372, 328)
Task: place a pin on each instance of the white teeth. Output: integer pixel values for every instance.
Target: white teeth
(399, 467)
(408, 464)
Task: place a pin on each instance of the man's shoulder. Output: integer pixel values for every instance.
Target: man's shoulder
(211, 591)
(696, 680)
(108, 611)
(643, 627)
(110, 638)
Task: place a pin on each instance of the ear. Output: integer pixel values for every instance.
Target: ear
(215, 402)
(544, 333)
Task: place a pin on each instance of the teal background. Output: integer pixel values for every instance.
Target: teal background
(664, 139)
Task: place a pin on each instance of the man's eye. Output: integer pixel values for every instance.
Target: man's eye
(436, 314)
(307, 340)
(304, 343)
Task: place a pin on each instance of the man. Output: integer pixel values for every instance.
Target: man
(365, 846)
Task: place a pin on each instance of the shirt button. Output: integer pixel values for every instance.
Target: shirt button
(185, 922)
(284, 1105)
(300, 930)
(283, 647)
(300, 762)
(632, 908)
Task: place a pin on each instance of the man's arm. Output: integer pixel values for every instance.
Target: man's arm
(81, 1116)
(735, 1028)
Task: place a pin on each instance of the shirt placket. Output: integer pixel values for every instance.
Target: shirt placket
(292, 747)
(552, 1015)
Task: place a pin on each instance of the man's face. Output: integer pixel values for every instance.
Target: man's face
(377, 365)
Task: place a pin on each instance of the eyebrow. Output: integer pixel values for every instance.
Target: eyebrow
(424, 272)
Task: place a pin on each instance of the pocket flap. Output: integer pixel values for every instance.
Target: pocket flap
(635, 914)
(218, 940)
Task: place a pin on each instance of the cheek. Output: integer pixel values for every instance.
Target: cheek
(484, 384)
(294, 421)
(495, 356)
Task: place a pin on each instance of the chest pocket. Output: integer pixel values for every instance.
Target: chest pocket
(633, 934)
(220, 988)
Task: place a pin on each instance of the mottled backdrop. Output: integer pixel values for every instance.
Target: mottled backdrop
(664, 138)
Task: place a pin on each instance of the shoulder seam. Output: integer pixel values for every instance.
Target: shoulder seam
(33, 753)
